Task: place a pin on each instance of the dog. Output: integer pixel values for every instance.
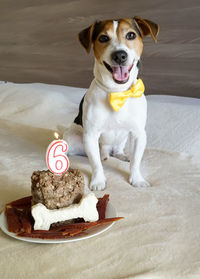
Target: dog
(103, 128)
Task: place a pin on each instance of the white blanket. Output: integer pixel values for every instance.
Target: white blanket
(160, 235)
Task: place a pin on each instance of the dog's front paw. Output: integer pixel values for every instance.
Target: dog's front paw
(98, 183)
(139, 183)
(122, 157)
(97, 186)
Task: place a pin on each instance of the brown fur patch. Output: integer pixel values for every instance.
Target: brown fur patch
(106, 28)
(125, 26)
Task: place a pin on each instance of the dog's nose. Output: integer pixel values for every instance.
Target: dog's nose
(119, 56)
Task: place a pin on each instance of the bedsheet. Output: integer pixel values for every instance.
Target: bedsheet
(160, 235)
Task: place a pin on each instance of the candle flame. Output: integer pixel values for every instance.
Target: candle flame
(56, 135)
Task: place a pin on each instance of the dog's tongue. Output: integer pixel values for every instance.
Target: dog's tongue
(120, 73)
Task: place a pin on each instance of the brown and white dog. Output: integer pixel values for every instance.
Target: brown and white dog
(98, 131)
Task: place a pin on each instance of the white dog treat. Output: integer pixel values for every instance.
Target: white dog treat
(85, 209)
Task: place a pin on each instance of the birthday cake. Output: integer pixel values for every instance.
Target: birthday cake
(57, 209)
(57, 191)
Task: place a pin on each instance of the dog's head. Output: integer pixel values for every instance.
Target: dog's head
(117, 47)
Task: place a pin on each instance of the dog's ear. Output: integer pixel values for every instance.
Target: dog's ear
(147, 27)
(86, 36)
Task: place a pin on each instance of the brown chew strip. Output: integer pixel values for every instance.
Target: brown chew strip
(68, 230)
(88, 225)
(26, 223)
(20, 221)
(50, 236)
(102, 205)
(14, 224)
(95, 224)
(21, 202)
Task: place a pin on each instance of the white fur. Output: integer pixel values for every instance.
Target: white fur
(107, 129)
(115, 26)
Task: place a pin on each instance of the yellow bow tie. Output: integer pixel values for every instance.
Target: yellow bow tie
(118, 99)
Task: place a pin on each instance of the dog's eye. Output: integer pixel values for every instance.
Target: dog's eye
(104, 39)
(130, 36)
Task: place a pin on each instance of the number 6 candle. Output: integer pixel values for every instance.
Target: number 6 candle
(56, 159)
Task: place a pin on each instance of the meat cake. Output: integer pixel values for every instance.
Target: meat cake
(57, 191)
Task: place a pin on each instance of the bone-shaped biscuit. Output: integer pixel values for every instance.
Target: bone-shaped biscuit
(85, 209)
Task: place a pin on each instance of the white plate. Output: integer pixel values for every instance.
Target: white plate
(110, 213)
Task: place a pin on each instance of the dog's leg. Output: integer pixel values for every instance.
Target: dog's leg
(122, 157)
(104, 152)
(119, 152)
(74, 137)
(137, 146)
(91, 143)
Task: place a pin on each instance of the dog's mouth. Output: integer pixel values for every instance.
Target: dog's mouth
(120, 73)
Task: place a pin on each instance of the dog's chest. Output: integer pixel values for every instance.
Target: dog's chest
(98, 114)
(131, 115)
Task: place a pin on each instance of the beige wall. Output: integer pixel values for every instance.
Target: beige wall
(38, 42)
